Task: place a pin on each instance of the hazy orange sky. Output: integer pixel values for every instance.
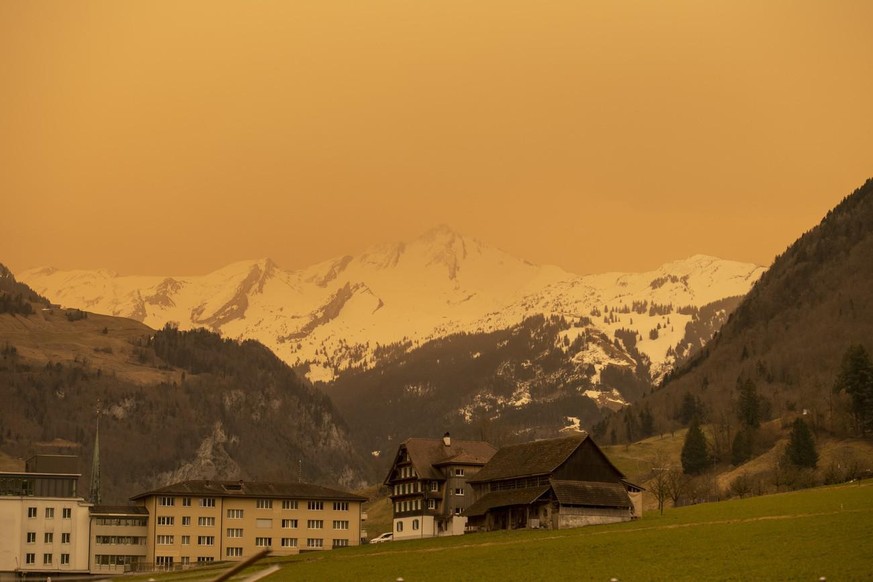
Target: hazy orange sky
(176, 137)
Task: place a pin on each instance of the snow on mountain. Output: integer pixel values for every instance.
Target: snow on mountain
(344, 312)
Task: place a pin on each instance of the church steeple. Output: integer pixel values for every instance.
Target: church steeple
(94, 493)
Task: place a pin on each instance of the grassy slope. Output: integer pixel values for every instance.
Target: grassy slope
(800, 535)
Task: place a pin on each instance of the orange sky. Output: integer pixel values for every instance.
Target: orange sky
(176, 137)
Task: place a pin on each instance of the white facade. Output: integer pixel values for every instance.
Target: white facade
(43, 535)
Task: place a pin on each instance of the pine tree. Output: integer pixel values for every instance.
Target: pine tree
(749, 405)
(801, 450)
(856, 378)
(695, 451)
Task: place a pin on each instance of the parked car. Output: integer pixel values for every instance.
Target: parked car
(385, 537)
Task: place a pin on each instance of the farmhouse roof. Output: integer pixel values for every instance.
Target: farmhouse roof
(427, 454)
(591, 494)
(529, 459)
(252, 489)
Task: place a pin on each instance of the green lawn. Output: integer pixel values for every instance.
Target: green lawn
(792, 536)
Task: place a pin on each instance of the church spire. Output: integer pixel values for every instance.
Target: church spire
(95, 464)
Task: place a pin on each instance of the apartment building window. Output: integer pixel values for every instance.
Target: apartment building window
(314, 543)
(49, 537)
(164, 561)
(264, 542)
(206, 521)
(340, 524)
(31, 512)
(289, 542)
(289, 504)
(186, 540)
(31, 537)
(207, 502)
(434, 486)
(30, 558)
(415, 524)
(67, 513)
(49, 512)
(315, 505)
(264, 504)
(234, 552)
(46, 559)
(185, 560)
(340, 543)
(186, 502)
(65, 559)
(459, 491)
(340, 505)
(205, 540)
(205, 559)
(166, 520)
(166, 540)
(399, 526)
(315, 524)
(166, 501)
(234, 532)
(234, 514)
(289, 524)
(65, 538)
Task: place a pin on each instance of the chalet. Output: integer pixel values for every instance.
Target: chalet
(428, 485)
(555, 484)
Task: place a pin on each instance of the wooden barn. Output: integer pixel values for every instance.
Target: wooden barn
(554, 484)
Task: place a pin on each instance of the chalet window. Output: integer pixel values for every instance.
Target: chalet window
(459, 472)
(434, 486)
(457, 511)
(264, 504)
(459, 491)
(289, 504)
(431, 503)
(207, 502)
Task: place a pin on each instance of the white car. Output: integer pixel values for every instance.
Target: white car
(385, 537)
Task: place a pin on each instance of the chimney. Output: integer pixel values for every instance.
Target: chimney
(447, 440)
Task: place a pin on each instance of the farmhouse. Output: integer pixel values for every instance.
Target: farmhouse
(555, 484)
(428, 484)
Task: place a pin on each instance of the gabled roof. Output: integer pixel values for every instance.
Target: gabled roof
(591, 494)
(506, 498)
(252, 489)
(428, 454)
(529, 459)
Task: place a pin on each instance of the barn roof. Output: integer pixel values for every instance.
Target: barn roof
(591, 494)
(506, 498)
(528, 459)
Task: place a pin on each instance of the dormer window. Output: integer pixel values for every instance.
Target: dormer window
(459, 472)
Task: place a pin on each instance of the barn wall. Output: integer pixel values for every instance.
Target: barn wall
(570, 517)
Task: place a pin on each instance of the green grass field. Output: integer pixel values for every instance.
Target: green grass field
(802, 535)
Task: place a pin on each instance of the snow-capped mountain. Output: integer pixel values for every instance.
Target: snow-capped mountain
(347, 312)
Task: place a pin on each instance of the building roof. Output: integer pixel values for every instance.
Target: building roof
(591, 494)
(252, 489)
(528, 459)
(427, 454)
(506, 498)
(118, 510)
